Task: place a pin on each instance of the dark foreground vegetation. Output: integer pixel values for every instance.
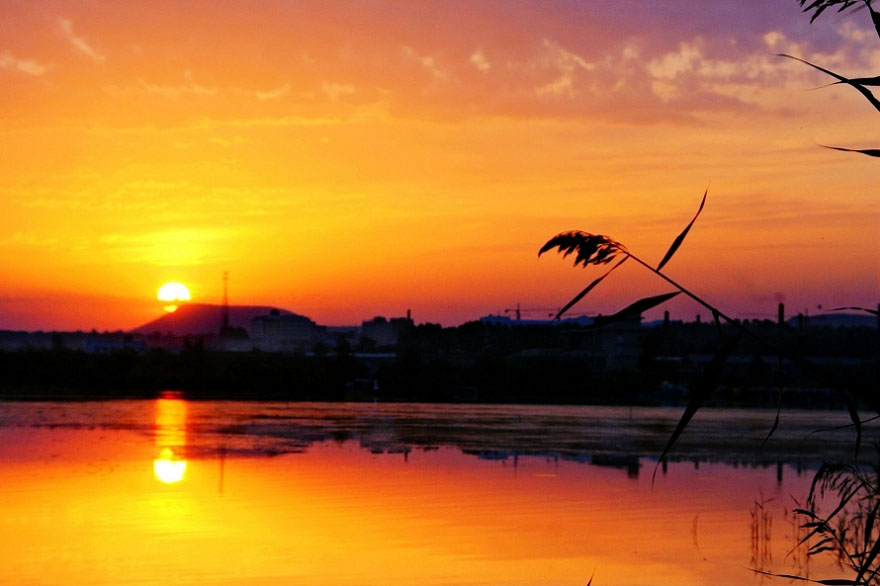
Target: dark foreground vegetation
(475, 362)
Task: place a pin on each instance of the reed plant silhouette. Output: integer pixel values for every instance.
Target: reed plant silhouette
(850, 493)
(598, 250)
(851, 530)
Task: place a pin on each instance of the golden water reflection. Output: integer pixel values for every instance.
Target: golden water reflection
(169, 465)
(76, 506)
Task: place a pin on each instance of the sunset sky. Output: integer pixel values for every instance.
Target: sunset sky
(346, 160)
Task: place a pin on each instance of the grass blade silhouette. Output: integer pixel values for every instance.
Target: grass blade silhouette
(869, 152)
(589, 288)
(698, 393)
(853, 408)
(867, 561)
(871, 81)
(828, 582)
(775, 424)
(869, 522)
(680, 238)
(861, 89)
(634, 309)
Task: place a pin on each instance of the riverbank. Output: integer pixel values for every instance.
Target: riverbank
(564, 379)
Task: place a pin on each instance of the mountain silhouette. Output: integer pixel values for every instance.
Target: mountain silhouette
(201, 318)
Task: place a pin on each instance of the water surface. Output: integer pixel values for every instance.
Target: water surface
(176, 492)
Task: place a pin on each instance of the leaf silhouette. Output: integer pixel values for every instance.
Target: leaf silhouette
(875, 18)
(872, 81)
(633, 309)
(869, 152)
(853, 408)
(716, 316)
(680, 238)
(698, 393)
(591, 577)
(778, 412)
(868, 95)
(773, 428)
(869, 522)
(589, 288)
(820, 5)
(592, 249)
(827, 582)
(868, 561)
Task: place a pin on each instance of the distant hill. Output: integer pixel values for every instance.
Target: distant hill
(202, 318)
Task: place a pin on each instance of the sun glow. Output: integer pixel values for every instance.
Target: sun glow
(168, 468)
(173, 294)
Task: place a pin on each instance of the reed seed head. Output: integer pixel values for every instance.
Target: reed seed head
(591, 249)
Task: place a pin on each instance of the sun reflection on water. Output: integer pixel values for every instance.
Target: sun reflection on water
(169, 466)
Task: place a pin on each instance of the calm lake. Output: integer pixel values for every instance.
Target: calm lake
(175, 492)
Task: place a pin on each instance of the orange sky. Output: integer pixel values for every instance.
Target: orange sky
(350, 162)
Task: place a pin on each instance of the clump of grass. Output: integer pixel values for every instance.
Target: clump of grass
(850, 531)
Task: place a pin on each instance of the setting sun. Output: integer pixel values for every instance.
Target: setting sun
(429, 165)
(173, 294)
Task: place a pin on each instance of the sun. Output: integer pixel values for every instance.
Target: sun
(173, 294)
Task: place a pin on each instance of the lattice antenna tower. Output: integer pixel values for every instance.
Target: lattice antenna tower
(225, 300)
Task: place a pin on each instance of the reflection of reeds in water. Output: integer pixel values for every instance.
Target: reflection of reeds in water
(798, 555)
(850, 531)
(761, 529)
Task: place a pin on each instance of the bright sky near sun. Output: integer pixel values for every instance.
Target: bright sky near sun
(350, 160)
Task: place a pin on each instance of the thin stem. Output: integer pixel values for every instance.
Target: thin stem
(690, 294)
(727, 318)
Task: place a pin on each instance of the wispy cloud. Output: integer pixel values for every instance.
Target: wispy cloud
(426, 61)
(273, 94)
(336, 90)
(190, 88)
(79, 42)
(21, 240)
(193, 89)
(184, 247)
(566, 63)
(227, 142)
(670, 65)
(478, 60)
(28, 66)
(177, 91)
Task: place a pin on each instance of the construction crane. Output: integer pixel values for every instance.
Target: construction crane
(518, 311)
(549, 312)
